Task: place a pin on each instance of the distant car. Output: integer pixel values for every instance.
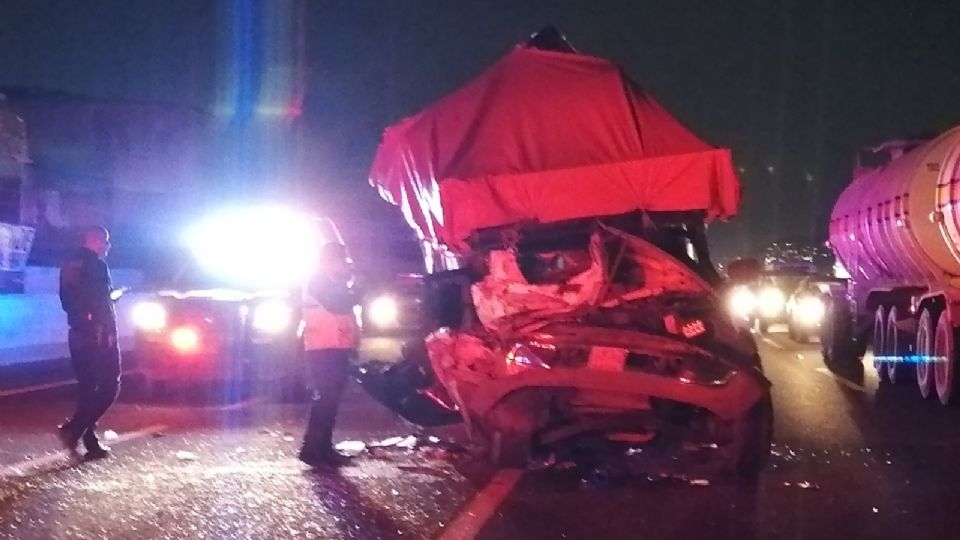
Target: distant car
(763, 303)
(806, 306)
(399, 314)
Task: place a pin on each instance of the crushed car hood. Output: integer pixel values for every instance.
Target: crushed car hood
(508, 304)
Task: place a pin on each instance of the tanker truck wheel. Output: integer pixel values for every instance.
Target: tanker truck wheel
(897, 348)
(945, 359)
(926, 329)
(836, 338)
(879, 344)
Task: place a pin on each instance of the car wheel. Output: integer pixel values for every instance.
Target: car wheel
(752, 436)
(763, 327)
(510, 429)
(150, 388)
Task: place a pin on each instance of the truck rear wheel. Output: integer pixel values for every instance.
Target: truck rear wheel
(879, 343)
(836, 338)
(897, 349)
(924, 351)
(945, 358)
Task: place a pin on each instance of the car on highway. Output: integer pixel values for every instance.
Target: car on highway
(232, 313)
(806, 306)
(762, 302)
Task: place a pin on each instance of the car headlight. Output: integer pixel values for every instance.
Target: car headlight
(742, 302)
(150, 316)
(185, 340)
(771, 302)
(383, 312)
(809, 311)
(272, 316)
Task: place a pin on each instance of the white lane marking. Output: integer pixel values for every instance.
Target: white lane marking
(481, 508)
(772, 343)
(27, 466)
(48, 386)
(841, 380)
(239, 405)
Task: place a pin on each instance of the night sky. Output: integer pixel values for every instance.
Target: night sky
(793, 87)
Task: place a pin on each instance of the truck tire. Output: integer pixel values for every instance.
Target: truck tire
(879, 343)
(926, 329)
(836, 338)
(945, 359)
(897, 348)
(749, 450)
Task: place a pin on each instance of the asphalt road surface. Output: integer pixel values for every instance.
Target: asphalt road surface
(853, 459)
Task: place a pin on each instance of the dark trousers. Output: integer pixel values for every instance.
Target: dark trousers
(328, 370)
(96, 363)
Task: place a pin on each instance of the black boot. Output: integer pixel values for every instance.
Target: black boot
(327, 457)
(69, 439)
(95, 450)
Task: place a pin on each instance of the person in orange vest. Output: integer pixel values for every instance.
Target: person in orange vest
(330, 340)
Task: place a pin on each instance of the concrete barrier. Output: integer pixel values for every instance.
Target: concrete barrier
(33, 327)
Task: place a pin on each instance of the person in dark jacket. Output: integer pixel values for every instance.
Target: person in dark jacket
(85, 294)
(330, 339)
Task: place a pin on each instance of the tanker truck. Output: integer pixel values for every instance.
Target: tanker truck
(896, 228)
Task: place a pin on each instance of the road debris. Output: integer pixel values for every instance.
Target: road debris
(183, 455)
(110, 435)
(392, 441)
(288, 438)
(410, 442)
(351, 448)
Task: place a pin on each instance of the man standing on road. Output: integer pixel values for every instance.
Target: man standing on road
(330, 337)
(85, 294)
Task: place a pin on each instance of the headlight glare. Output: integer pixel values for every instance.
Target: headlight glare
(272, 316)
(149, 316)
(809, 311)
(383, 312)
(742, 302)
(771, 302)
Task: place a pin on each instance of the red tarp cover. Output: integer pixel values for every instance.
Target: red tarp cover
(546, 136)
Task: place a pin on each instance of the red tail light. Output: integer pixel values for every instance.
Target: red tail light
(185, 340)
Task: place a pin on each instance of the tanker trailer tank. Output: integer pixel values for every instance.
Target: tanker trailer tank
(896, 228)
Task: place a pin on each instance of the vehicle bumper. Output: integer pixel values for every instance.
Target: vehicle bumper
(260, 362)
(728, 401)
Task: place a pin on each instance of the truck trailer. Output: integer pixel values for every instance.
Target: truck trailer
(896, 228)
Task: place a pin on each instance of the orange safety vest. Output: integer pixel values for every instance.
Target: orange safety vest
(326, 330)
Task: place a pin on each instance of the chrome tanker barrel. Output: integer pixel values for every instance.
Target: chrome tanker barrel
(899, 225)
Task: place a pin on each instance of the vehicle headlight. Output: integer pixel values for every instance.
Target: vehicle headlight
(272, 316)
(771, 302)
(185, 339)
(809, 311)
(150, 316)
(383, 312)
(742, 302)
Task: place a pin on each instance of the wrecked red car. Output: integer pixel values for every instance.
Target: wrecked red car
(568, 210)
